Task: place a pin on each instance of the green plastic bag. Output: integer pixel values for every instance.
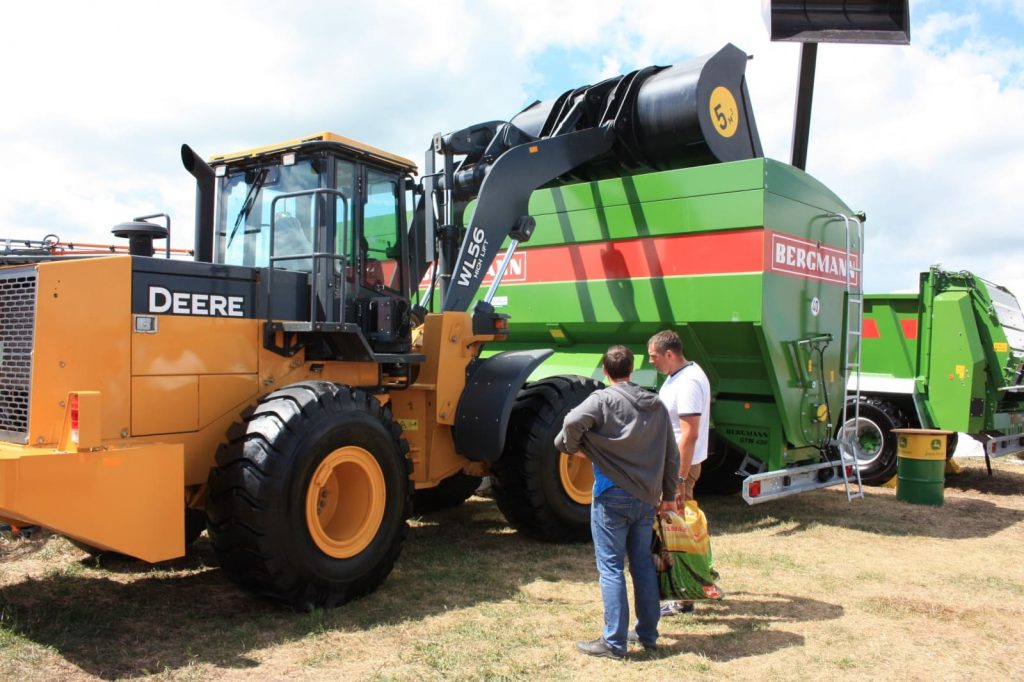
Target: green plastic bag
(682, 556)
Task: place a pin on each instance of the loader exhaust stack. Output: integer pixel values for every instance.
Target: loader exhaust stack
(205, 186)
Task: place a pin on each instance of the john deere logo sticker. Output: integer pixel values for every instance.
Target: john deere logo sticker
(903, 442)
(725, 114)
(936, 443)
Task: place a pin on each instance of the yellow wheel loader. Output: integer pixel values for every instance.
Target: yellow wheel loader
(282, 388)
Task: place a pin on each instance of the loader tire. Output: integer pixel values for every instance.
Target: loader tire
(542, 492)
(451, 492)
(875, 442)
(309, 499)
(718, 472)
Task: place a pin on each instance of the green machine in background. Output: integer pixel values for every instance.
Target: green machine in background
(949, 357)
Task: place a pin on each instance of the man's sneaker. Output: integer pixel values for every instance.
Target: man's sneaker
(674, 608)
(599, 647)
(631, 636)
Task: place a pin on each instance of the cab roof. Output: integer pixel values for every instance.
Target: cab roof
(347, 144)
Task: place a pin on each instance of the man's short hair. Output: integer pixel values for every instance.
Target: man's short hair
(665, 341)
(618, 362)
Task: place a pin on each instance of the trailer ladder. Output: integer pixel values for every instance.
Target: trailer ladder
(847, 440)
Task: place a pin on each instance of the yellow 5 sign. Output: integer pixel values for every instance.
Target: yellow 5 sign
(724, 112)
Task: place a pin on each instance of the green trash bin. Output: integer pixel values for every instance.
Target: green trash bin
(921, 465)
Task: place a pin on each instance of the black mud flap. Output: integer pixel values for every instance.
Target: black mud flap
(481, 420)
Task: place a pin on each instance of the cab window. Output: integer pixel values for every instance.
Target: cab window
(381, 232)
(243, 236)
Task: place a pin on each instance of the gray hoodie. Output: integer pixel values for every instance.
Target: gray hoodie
(624, 429)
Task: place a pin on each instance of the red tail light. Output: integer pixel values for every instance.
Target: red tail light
(754, 489)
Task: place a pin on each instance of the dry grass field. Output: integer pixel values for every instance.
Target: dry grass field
(817, 588)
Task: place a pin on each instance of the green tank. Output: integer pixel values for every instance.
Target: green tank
(752, 262)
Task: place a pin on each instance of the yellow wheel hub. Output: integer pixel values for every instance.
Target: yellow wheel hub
(577, 476)
(345, 502)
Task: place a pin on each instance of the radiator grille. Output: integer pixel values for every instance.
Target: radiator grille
(17, 335)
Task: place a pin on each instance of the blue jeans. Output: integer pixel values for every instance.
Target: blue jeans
(622, 526)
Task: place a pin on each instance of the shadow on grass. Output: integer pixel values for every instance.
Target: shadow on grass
(960, 517)
(127, 619)
(1006, 479)
(122, 618)
(749, 619)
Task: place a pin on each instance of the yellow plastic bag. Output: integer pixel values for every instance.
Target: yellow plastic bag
(686, 532)
(682, 556)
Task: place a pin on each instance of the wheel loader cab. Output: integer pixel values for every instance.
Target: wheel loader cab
(327, 207)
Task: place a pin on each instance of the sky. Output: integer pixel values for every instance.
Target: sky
(926, 139)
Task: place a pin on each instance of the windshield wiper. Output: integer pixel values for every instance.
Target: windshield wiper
(250, 199)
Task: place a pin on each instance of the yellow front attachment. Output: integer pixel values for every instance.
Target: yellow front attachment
(127, 500)
(577, 476)
(345, 502)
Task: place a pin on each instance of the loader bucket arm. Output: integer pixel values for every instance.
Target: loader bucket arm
(504, 199)
(656, 118)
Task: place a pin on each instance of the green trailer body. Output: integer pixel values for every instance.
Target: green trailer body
(747, 260)
(949, 357)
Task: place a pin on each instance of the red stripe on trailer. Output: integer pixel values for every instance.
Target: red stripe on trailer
(730, 252)
(869, 329)
(909, 328)
(688, 254)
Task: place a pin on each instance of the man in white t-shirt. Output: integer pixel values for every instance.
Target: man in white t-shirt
(686, 394)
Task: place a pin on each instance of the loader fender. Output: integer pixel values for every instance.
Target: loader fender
(481, 419)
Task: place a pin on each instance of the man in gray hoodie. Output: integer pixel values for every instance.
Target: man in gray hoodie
(624, 430)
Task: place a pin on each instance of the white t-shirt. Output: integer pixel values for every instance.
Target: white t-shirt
(688, 393)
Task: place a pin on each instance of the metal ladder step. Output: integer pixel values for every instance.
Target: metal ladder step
(854, 334)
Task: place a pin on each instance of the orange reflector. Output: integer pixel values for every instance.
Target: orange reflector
(534, 149)
(746, 406)
(754, 489)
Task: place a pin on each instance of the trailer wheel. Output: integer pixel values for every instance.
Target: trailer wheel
(544, 493)
(309, 499)
(718, 472)
(875, 442)
(451, 492)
